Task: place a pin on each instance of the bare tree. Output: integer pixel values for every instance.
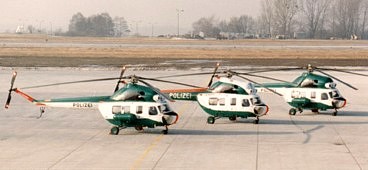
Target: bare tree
(346, 14)
(285, 11)
(207, 26)
(267, 14)
(314, 13)
(365, 12)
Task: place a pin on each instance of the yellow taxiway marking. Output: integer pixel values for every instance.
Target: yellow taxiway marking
(138, 161)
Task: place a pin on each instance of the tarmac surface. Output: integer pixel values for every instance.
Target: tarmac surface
(79, 139)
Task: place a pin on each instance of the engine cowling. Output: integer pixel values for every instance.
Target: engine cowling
(331, 85)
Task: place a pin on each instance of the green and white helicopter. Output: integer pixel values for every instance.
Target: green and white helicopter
(133, 105)
(226, 98)
(309, 91)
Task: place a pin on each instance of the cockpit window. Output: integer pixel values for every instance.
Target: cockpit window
(245, 103)
(164, 108)
(334, 94)
(256, 101)
(152, 110)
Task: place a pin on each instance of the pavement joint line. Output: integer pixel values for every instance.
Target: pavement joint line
(138, 161)
(257, 153)
(75, 149)
(346, 145)
(169, 146)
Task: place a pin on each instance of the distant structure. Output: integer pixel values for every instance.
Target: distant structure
(20, 29)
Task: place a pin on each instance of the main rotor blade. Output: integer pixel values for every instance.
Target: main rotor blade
(166, 81)
(258, 84)
(344, 71)
(213, 74)
(271, 70)
(189, 74)
(156, 90)
(119, 81)
(75, 82)
(265, 77)
(347, 84)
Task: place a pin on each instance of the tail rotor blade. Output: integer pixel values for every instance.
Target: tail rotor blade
(10, 90)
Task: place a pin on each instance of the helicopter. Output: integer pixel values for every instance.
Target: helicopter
(226, 98)
(309, 91)
(134, 105)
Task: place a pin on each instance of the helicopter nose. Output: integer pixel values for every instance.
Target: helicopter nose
(261, 110)
(339, 103)
(170, 118)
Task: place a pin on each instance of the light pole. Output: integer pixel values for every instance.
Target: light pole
(178, 12)
(152, 24)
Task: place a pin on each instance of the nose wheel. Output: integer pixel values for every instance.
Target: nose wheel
(114, 130)
(256, 121)
(334, 113)
(166, 131)
(211, 120)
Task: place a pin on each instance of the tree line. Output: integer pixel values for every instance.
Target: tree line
(315, 19)
(99, 25)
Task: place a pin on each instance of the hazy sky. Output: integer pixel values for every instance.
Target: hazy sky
(162, 13)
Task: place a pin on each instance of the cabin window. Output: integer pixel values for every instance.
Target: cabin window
(139, 109)
(125, 109)
(245, 103)
(152, 110)
(222, 102)
(324, 96)
(116, 109)
(212, 101)
(233, 102)
(313, 95)
(164, 108)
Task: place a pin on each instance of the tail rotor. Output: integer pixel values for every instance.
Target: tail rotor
(10, 90)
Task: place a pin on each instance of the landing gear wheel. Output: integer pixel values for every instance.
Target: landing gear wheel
(114, 130)
(315, 111)
(166, 131)
(211, 120)
(292, 111)
(300, 110)
(256, 121)
(232, 118)
(138, 128)
(334, 113)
